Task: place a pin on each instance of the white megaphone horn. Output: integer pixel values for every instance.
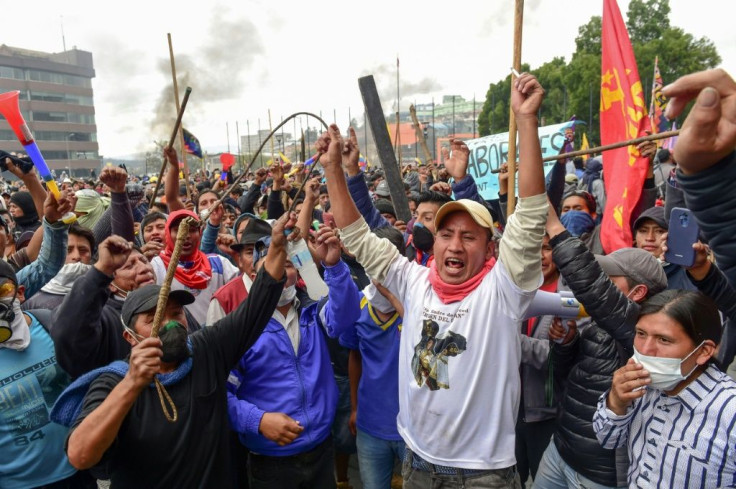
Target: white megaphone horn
(562, 304)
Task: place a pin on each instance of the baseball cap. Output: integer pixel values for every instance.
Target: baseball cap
(637, 264)
(7, 272)
(478, 212)
(254, 230)
(571, 178)
(382, 189)
(655, 214)
(145, 298)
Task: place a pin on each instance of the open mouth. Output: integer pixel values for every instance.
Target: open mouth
(454, 263)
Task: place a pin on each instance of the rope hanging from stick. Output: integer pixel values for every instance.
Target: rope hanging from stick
(166, 402)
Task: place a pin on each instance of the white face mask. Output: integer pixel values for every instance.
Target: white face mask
(287, 295)
(21, 333)
(665, 372)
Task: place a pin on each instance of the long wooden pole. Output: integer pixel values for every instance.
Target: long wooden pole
(600, 149)
(270, 128)
(518, 25)
(422, 141)
(170, 144)
(181, 133)
(163, 297)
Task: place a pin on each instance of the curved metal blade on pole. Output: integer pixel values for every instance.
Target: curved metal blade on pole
(381, 138)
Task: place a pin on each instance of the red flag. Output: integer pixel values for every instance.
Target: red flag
(623, 116)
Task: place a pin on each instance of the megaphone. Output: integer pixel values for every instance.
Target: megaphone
(562, 304)
(10, 109)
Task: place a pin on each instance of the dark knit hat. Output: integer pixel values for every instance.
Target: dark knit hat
(385, 207)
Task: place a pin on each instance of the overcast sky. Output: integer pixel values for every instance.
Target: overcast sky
(245, 57)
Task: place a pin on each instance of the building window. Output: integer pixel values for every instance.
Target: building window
(62, 98)
(10, 72)
(59, 78)
(63, 117)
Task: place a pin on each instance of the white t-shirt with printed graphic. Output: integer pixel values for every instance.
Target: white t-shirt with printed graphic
(458, 405)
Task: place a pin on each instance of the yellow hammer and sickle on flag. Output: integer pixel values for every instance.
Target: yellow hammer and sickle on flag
(609, 96)
(618, 215)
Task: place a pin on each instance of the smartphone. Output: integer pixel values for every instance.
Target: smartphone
(681, 235)
(328, 220)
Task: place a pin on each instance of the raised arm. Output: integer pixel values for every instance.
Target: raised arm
(81, 339)
(456, 164)
(604, 302)
(342, 307)
(234, 334)
(521, 246)
(171, 184)
(121, 214)
(53, 248)
(38, 194)
(311, 195)
(373, 253)
(95, 434)
(706, 159)
(357, 186)
(254, 192)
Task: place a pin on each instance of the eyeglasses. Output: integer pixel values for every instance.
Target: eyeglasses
(8, 288)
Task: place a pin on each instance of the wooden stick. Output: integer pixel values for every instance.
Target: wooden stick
(518, 25)
(171, 143)
(422, 141)
(620, 144)
(270, 128)
(600, 149)
(176, 101)
(163, 297)
(398, 139)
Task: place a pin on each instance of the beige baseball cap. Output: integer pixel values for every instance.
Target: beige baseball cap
(478, 212)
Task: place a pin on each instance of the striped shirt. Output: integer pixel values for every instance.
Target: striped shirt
(682, 441)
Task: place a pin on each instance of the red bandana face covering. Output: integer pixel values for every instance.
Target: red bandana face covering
(449, 293)
(194, 271)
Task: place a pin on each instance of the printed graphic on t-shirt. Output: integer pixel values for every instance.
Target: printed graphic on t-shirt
(26, 396)
(430, 363)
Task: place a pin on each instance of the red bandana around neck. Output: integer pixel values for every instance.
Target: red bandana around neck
(193, 271)
(449, 293)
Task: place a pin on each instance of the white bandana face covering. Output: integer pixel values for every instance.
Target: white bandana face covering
(287, 295)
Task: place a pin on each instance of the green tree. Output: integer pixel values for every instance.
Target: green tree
(647, 20)
(574, 87)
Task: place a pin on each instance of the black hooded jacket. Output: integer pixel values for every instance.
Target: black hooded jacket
(87, 328)
(588, 361)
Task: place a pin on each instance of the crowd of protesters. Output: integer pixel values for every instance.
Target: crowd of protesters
(421, 354)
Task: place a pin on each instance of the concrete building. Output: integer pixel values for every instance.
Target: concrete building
(56, 100)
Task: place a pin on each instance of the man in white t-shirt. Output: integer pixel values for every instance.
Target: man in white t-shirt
(459, 386)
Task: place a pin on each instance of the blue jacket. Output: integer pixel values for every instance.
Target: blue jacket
(362, 198)
(271, 378)
(50, 259)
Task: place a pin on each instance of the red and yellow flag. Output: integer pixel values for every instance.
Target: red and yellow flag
(623, 116)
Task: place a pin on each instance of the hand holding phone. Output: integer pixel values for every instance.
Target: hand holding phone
(681, 236)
